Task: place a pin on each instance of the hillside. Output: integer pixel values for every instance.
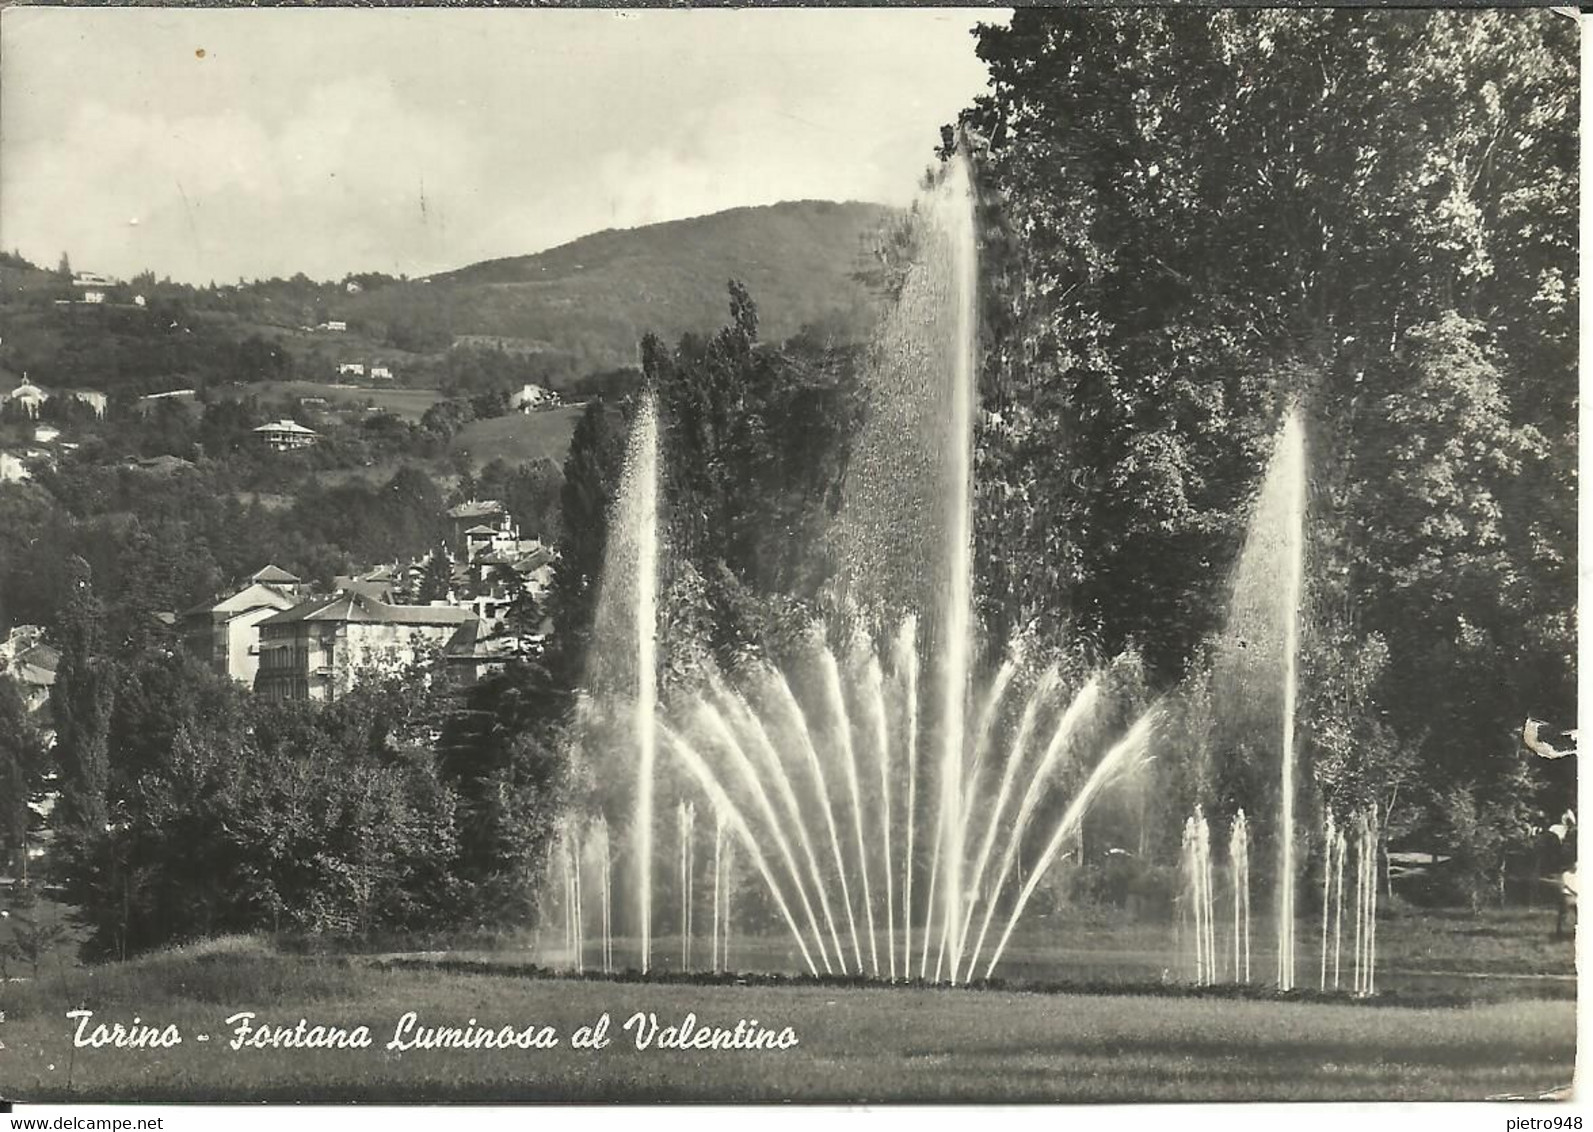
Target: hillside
(594, 298)
(565, 313)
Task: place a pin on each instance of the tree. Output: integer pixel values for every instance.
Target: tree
(437, 582)
(80, 706)
(504, 753)
(22, 769)
(1191, 218)
(591, 479)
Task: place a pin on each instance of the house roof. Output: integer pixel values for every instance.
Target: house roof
(41, 656)
(473, 641)
(349, 606)
(276, 574)
(475, 509)
(369, 587)
(256, 595)
(286, 426)
(482, 529)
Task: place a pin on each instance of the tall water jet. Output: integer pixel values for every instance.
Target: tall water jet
(618, 706)
(641, 485)
(1258, 660)
(957, 618)
(1290, 458)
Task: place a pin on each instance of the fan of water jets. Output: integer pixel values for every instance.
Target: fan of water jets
(810, 774)
(888, 820)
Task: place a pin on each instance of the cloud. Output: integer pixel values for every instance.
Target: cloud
(301, 140)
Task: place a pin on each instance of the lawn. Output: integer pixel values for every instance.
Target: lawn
(855, 1044)
(411, 404)
(519, 438)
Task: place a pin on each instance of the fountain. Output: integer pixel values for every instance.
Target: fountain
(1239, 881)
(1258, 658)
(890, 800)
(1199, 897)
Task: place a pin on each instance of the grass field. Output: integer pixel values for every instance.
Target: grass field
(855, 1044)
(411, 404)
(519, 438)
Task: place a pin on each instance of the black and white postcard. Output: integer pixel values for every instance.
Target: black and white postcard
(896, 555)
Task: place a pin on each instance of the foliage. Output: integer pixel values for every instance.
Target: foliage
(236, 814)
(22, 774)
(1193, 217)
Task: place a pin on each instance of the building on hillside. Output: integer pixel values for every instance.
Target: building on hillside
(377, 584)
(334, 324)
(381, 372)
(316, 650)
(531, 397)
(92, 287)
(46, 434)
(475, 513)
(93, 398)
(149, 400)
(483, 540)
(31, 663)
(13, 469)
(26, 398)
(283, 436)
(354, 369)
(474, 652)
(224, 634)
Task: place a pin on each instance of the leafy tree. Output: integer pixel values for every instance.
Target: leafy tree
(438, 580)
(22, 770)
(1194, 217)
(80, 706)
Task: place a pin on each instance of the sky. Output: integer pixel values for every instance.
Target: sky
(227, 144)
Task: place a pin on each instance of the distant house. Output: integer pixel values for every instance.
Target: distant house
(163, 465)
(472, 653)
(12, 469)
(224, 634)
(316, 650)
(45, 434)
(26, 658)
(26, 398)
(529, 398)
(473, 513)
(92, 287)
(355, 368)
(283, 436)
(381, 373)
(334, 324)
(93, 398)
(150, 399)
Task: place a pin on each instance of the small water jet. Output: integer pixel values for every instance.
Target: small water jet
(601, 862)
(1366, 841)
(686, 822)
(1199, 897)
(1239, 881)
